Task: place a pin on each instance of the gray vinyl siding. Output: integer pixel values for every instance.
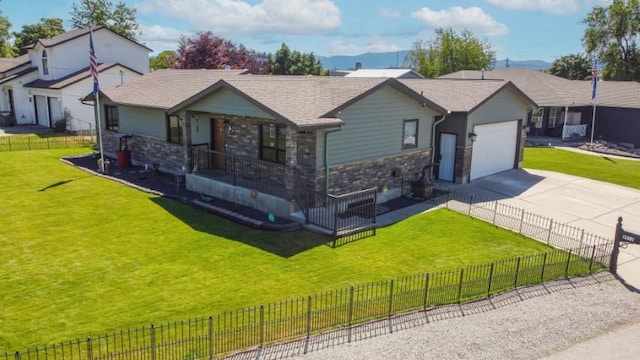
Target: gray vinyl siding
(225, 101)
(503, 106)
(143, 121)
(373, 128)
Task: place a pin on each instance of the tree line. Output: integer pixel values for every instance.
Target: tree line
(611, 35)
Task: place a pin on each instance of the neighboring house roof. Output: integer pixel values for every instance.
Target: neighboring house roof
(304, 101)
(386, 73)
(7, 64)
(550, 90)
(73, 34)
(72, 78)
(458, 95)
(18, 74)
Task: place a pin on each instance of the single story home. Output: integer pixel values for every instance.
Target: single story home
(265, 141)
(566, 108)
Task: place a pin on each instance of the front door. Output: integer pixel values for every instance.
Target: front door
(218, 138)
(447, 156)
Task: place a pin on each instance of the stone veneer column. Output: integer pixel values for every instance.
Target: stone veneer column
(291, 153)
(463, 164)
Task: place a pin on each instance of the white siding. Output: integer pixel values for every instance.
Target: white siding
(373, 127)
(24, 108)
(143, 121)
(225, 101)
(73, 55)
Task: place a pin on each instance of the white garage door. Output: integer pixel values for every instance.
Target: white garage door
(494, 149)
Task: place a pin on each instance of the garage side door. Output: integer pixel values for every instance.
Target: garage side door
(494, 149)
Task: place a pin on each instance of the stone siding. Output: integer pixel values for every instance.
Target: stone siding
(463, 164)
(379, 172)
(146, 150)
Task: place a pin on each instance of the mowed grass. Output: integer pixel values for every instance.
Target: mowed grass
(82, 255)
(597, 167)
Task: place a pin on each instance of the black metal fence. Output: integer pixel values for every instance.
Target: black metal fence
(263, 176)
(234, 331)
(544, 229)
(18, 143)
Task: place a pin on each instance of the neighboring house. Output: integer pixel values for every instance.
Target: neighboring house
(386, 73)
(47, 83)
(264, 141)
(566, 108)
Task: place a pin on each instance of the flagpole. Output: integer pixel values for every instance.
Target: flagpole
(97, 112)
(593, 120)
(594, 88)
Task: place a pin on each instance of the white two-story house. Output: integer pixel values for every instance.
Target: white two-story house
(46, 85)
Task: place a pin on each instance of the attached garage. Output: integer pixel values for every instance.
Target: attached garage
(495, 148)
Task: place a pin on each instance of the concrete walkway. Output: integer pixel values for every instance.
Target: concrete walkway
(24, 129)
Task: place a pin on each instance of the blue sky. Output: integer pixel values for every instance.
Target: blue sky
(517, 29)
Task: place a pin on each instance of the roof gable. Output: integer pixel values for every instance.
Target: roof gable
(74, 34)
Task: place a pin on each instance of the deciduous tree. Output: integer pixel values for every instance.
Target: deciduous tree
(46, 28)
(572, 67)
(612, 36)
(449, 52)
(6, 49)
(287, 62)
(118, 17)
(164, 60)
(208, 51)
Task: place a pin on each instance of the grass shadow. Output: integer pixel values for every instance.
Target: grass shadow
(280, 243)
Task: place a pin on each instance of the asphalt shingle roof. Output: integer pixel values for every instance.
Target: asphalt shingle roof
(69, 79)
(549, 90)
(7, 64)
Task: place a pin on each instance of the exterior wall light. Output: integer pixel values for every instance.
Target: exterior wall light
(473, 136)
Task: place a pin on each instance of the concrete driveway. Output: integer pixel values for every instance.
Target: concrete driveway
(587, 204)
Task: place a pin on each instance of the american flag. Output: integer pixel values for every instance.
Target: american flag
(93, 64)
(594, 79)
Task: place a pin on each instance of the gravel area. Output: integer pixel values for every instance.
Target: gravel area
(530, 323)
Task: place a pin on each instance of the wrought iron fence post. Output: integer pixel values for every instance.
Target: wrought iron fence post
(460, 286)
(18, 355)
(29, 143)
(550, 230)
(210, 337)
(613, 261)
(425, 298)
(515, 281)
(152, 338)
(350, 312)
(309, 316)
(390, 306)
(521, 221)
(89, 349)
(544, 264)
(581, 238)
(470, 204)
(490, 280)
(495, 211)
(261, 325)
(566, 268)
(593, 254)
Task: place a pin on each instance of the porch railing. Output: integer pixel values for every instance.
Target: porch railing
(342, 215)
(253, 174)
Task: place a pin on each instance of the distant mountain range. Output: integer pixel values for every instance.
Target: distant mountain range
(396, 59)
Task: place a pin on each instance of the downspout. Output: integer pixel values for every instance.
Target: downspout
(326, 157)
(433, 142)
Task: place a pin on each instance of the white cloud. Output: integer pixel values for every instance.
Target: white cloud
(558, 7)
(473, 19)
(161, 38)
(373, 45)
(227, 17)
(389, 13)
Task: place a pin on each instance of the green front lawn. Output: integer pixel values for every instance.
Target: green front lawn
(82, 255)
(597, 167)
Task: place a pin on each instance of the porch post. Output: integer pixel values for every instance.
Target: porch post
(292, 160)
(188, 161)
(566, 114)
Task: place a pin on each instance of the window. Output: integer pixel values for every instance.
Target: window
(536, 117)
(410, 134)
(174, 130)
(112, 117)
(273, 143)
(45, 63)
(554, 114)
